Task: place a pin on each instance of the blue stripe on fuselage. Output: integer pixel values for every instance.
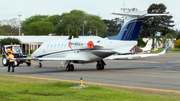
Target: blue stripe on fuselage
(40, 56)
(130, 31)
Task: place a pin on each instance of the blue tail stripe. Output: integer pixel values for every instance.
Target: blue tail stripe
(130, 31)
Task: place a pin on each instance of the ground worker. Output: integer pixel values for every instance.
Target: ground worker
(11, 61)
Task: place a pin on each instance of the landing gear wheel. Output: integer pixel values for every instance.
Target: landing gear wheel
(98, 66)
(5, 61)
(102, 67)
(71, 67)
(40, 65)
(28, 63)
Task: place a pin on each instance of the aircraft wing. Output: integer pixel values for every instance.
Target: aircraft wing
(29, 58)
(51, 59)
(136, 55)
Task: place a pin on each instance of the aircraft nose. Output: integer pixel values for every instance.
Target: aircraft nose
(33, 55)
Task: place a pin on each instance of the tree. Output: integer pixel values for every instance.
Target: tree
(74, 34)
(158, 40)
(175, 33)
(2, 31)
(94, 24)
(178, 37)
(32, 19)
(9, 41)
(7, 28)
(55, 20)
(81, 22)
(66, 24)
(40, 28)
(169, 37)
(113, 26)
(151, 25)
(164, 40)
(11, 26)
(75, 20)
(140, 41)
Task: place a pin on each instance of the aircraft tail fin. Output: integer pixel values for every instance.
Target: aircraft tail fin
(132, 25)
(148, 45)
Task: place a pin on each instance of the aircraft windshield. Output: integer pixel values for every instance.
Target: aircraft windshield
(16, 49)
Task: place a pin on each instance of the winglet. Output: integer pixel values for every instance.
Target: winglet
(164, 51)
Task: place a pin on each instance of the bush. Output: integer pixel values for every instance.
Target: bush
(9, 41)
(31, 51)
(177, 44)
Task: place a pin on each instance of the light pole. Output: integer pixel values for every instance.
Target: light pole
(19, 24)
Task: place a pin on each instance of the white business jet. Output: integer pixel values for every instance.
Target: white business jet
(93, 50)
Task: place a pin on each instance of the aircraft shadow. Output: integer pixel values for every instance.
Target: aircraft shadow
(84, 70)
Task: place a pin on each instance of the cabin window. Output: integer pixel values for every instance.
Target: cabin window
(62, 46)
(58, 45)
(65, 46)
(47, 46)
(51, 45)
(54, 46)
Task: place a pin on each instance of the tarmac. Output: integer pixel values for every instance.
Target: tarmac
(160, 73)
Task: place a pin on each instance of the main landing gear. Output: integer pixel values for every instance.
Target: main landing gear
(70, 67)
(100, 65)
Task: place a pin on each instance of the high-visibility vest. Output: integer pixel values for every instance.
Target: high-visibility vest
(11, 56)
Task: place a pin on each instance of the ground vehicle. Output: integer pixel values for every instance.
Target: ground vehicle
(17, 52)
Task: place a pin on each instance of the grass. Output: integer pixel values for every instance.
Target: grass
(26, 89)
(175, 50)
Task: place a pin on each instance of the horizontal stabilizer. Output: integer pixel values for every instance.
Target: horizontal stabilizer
(140, 14)
(136, 55)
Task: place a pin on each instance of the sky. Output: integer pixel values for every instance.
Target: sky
(12, 8)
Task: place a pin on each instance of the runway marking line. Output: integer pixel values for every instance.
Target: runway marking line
(114, 85)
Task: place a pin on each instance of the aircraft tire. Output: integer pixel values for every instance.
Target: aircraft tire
(102, 67)
(40, 65)
(71, 67)
(98, 66)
